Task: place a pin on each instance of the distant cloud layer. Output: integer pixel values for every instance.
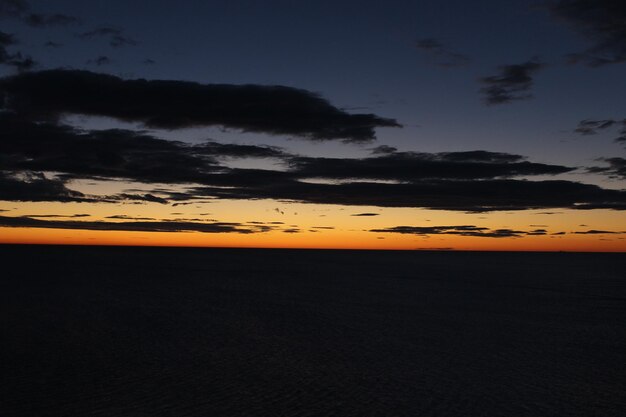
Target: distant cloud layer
(513, 83)
(602, 22)
(279, 110)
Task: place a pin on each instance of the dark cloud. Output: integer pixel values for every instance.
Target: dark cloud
(365, 214)
(149, 61)
(149, 198)
(35, 187)
(126, 217)
(513, 83)
(593, 127)
(101, 60)
(598, 232)
(115, 36)
(413, 166)
(131, 226)
(383, 149)
(602, 22)
(457, 195)
(113, 153)
(20, 9)
(41, 20)
(231, 150)
(16, 60)
(21, 62)
(442, 55)
(473, 231)
(56, 216)
(179, 104)
(7, 39)
(52, 44)
(616, 168)
(13, 8)
(474, 181)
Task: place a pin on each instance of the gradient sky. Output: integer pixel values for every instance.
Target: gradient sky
(483, 125)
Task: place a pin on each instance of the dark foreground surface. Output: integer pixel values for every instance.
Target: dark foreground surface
(217, 332)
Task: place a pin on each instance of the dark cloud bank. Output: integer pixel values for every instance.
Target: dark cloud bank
(34, 141)
(463, 181)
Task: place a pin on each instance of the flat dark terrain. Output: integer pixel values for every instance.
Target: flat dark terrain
(94, 331)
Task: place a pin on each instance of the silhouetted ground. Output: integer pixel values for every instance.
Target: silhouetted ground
(95, 331)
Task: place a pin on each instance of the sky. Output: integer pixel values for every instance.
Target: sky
(448, 125)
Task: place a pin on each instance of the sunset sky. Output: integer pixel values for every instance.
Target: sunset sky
(448, 125)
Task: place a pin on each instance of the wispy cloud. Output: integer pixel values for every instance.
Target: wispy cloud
(513, 83)
(441, 54)
(593, 127)
(115, 36)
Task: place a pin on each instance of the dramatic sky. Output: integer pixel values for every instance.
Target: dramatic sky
(467, 125)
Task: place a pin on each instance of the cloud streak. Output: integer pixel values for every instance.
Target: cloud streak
(132, 226)
(464, 230)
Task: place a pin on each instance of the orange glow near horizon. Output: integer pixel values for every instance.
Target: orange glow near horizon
(321, 227)
(306, 240)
